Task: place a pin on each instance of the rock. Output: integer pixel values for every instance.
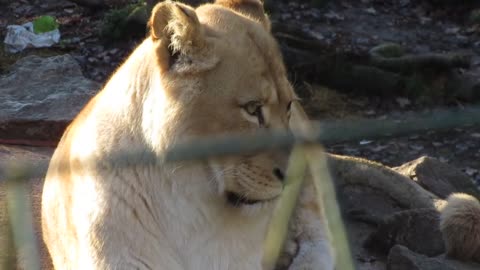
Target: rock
(416, 229)
(101, 3)
(371, 11)
(13, 153)
(90, 3)
(403, 102)
(401, 258)
(460, 265)
(437, 177)
(39, 97)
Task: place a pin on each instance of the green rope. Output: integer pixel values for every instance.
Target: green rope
(278, 227)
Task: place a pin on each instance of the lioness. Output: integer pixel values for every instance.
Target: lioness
(201, 72)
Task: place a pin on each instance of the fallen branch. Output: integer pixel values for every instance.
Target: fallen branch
(408, 63)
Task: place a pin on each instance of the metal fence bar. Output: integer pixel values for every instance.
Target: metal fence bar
(325, 133)
(328, 132)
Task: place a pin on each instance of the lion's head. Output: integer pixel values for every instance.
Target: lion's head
(222, 72)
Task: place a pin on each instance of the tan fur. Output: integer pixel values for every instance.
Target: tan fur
(192, 77)
(251, 8)
(460, 226)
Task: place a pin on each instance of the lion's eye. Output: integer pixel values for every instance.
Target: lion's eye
(253, 108)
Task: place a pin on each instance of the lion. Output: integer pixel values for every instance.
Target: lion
(460, 227)
(201, 72)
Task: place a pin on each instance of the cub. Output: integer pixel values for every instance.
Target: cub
(460, 227)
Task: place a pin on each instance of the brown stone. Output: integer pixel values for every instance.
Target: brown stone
(437, 177)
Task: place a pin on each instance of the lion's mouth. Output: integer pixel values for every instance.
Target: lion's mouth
(236, 199)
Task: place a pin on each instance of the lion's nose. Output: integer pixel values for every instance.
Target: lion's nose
(279, 174)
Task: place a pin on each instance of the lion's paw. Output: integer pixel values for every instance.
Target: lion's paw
(313, 256)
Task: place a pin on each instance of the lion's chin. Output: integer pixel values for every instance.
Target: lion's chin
(238, 200)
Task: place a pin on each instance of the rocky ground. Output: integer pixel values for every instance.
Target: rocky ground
(459, 147)
(349, 26)
(340, 28)
(421, 27)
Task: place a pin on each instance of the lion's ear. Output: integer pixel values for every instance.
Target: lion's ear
(251, 8)
(177, 29)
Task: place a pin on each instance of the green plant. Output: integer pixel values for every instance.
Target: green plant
(388, 50)
(475, 16)
(117, 23)
(44, 24)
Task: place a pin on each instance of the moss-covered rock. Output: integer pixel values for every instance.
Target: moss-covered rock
(124, 23)
(475, 16)
(388, 50)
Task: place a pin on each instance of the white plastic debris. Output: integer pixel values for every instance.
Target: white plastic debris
(365, 142)
(19, 37)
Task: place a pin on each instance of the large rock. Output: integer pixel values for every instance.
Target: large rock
(416, 229)
(39, 97)
(437, 177)
(401, 258)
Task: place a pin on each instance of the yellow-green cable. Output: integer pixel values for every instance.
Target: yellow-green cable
(326, 194)
(20, 216)
(278, 227)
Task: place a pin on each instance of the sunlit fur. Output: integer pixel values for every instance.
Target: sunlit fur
(460, 226)
(188, 79)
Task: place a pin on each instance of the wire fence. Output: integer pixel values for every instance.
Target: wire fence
(19, 238)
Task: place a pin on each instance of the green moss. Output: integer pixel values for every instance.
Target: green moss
(475, 16)
(7, 59)
(388, 50)
(123, 23)
(138, 14)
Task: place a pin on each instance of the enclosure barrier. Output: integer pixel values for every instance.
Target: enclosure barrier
(20, 239)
